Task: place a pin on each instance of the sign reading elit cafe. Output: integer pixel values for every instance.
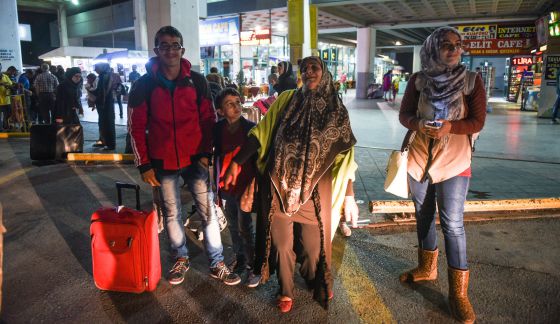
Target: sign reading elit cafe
(490, 40)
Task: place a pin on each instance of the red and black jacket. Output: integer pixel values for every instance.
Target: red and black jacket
(169, 130)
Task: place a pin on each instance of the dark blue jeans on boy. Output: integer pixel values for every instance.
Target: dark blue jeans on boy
(240, 225)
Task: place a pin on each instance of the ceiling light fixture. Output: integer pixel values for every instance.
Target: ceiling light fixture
(398, 43)
(75, 2)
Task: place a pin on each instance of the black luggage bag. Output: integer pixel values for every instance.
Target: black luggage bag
(53, 142)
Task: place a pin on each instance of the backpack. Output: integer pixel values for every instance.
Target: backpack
(470, 80)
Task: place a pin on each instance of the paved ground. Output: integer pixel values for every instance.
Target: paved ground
(515, 265)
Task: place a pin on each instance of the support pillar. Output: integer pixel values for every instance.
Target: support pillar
(416, 63)
(10, 48)
(182, 15)
(313, 30)
(295, 30)
(365, 62)
(140, 26)
(62, 26)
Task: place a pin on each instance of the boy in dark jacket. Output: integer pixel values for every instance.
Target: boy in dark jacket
(230, 133)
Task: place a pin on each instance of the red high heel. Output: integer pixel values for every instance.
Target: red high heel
(285, 305)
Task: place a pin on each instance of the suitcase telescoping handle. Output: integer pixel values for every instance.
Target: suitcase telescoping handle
(121, 185)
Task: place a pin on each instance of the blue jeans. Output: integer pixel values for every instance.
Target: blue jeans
(556, 107)
(450, 195)
(197, 182)
(240, 225)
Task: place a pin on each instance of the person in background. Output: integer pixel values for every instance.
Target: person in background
(12, 73)
(68, 98)
(45, 85)
(215, 82)
(395, 86)
(6, 86)
(302, 184)
(117, 90)
(215, 76)
(556, 106)
(24, 81)
(272, 80)
(442, 119)
(286, 79)
(387, 78)
(105, 105)
(59, 73)
(343, 85)
(230, 133)
(134, 75)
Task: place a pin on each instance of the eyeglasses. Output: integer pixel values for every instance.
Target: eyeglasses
(167, 47)
(450, 47)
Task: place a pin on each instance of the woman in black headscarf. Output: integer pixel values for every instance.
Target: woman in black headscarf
(443, 106)
(286, 80)
(67, 97)
(305, 159)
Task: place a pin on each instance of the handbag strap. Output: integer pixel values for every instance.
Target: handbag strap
(410, 139)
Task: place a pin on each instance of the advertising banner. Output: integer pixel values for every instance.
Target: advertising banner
(255, 37)
(498, 39)
(552, 67)
(214, 32)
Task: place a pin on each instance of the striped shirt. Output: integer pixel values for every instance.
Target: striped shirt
(45, 82)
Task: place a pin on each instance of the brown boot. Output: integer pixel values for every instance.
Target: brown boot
(426, 270)
(459, 303)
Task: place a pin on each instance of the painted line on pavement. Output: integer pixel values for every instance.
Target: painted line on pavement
(104, 157)
(467, 219)
(14, 134)
(94, 188)
(362, 294)
(407, 206)
(11, 176)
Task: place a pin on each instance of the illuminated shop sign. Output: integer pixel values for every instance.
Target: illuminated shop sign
(552, 67)
(498, 39)
(334, 54)
(554, 24)
(325, 55)
(214, 32)
(526, 60)
(255, 37)
(478, 31)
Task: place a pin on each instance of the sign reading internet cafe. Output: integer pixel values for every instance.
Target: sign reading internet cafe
(487, 40)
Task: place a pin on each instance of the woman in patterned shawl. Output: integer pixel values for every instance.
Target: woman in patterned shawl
(306, 169)
(444, 105)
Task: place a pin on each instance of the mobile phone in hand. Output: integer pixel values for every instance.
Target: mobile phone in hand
(433, 124)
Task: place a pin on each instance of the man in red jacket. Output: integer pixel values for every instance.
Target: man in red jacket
(173, 104)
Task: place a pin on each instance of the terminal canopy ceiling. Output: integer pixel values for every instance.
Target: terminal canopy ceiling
(408, 21)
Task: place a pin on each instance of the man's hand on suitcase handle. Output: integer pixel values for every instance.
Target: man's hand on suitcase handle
(149, 177)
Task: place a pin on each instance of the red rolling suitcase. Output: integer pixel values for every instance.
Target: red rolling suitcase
(125, 247)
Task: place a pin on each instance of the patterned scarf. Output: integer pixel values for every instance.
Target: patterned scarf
(312, 130)
(442, 96)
